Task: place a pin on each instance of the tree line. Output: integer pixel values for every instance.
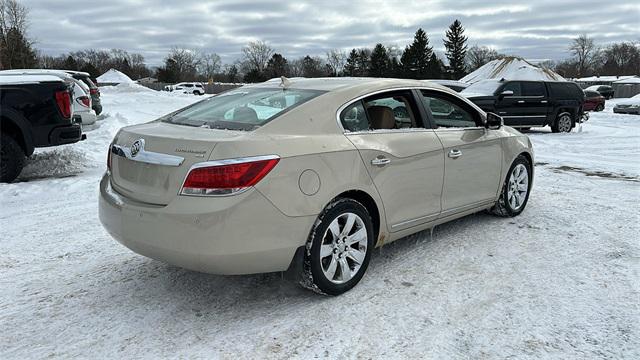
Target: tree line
(259, 61)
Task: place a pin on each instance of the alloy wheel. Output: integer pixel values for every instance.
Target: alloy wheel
(343, 248)
(518, 186)
(564, 123)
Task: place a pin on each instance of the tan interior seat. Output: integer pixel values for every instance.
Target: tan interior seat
(245, 115)
(381, 117)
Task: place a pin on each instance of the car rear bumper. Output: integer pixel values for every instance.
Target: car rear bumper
(86, 117)
(64, 135)
(240, 234)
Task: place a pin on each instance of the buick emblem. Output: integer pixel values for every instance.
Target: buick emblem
(136, 147)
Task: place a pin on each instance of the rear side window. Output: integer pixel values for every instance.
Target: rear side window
(532, 88)
(565, 90)
(241, 109)
(386, 111)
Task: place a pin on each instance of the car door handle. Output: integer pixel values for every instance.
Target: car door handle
(520, 101)
(380, 161)
(455, 153)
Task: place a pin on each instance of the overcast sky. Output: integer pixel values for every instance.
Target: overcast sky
(535, 29)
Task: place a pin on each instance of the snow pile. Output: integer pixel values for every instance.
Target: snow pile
(114, 76)
(559, 281)
(510, 68)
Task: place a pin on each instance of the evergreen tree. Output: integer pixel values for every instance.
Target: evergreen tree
(364, 60)
(456, 45)
(92, 70)
(255, 76)
(379, 65)
(415, 58)
(351, 67)
(70, 63)
(276, 66)
(436, 68)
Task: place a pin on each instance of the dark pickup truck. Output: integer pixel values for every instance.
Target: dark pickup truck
(35, 111)
(525, 104)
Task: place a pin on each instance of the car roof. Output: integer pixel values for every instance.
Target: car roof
(354, 84)
(28, 79)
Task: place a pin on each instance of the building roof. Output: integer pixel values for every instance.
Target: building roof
(606, 78)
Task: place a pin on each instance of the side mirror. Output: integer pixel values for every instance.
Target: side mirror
(506, 93)
(493, 121)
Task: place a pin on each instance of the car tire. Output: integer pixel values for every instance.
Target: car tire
(600, 107)
(12, 159)
(513, 196)
(337, 254)
(563, 123)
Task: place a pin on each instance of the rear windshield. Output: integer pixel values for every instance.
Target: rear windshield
(241, 109)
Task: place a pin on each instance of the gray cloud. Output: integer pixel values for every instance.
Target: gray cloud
(533, 29)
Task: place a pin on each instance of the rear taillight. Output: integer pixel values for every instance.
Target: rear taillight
(63, 100)
(84, 101)
(227, 177)
(94, 91)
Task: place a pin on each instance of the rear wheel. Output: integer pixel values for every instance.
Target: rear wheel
(600, 107)
(339, 248)
(516, 189)
(563, 123)
(12, 159)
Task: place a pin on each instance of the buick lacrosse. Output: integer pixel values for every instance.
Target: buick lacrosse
(308, 176)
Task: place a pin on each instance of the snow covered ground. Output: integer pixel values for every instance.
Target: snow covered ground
(560, 281)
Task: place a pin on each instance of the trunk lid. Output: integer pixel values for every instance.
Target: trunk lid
(158, 183)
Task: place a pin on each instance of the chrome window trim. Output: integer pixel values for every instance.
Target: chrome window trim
(148, 157)
(222, 162)
(356, 99)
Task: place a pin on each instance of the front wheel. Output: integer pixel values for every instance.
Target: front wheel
(516, 189)
(339, 248)
(563, 123)
(600, 107)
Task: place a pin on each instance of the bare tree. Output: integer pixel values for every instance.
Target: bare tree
(584, 51)
(256, 54)
(15, 49)
(209, 65)
(336, 59)
(480, 55)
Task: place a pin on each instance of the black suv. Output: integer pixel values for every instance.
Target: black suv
(525, 104)
(35, 111)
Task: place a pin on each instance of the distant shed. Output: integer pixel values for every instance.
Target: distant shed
(627, 88)
(624, 85)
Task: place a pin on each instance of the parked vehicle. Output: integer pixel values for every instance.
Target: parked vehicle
(593, 101)
(94, 91)
(526, 104)
(194, 88)
(35, 111)
(308, 175)
(604, 90)
(451, 84)
(80, 92)
(629, 106)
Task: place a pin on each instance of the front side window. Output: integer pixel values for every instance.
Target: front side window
(241, 109)
(513, 86)
(449, 112)
(387, 111)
